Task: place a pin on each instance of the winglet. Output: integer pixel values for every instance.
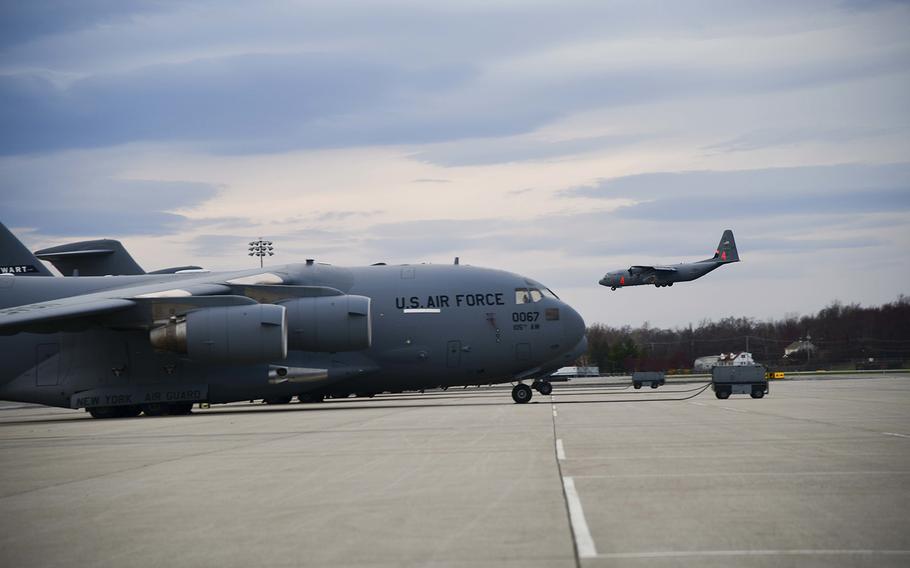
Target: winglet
(726, 250)
(16, 259)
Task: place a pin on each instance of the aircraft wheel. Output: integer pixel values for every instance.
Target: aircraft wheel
(758, 393)
(521, 393)
(636, 385)
(154, 409)
(654, 385)
(277, 400)
(180, 408)
(670, 284)
(545, 388)
(103, 412)
(722, 393)
(131, 411)
(304, 398)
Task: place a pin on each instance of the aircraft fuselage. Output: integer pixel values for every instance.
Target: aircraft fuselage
(432, 326)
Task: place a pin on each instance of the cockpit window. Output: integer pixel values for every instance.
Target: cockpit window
(527, 295)
(541, 289)
(522, 296)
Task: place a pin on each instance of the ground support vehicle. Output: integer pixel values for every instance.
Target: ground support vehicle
(651, 378)
(739, 379)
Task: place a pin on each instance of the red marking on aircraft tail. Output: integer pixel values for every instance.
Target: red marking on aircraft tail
(723, 255)
(622, 280)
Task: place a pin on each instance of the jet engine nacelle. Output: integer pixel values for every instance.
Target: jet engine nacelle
(329, 323)
(254, 333)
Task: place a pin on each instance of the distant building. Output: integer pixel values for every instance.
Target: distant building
(577, 372)
(706, 363)
(800, 346)
(735, 359)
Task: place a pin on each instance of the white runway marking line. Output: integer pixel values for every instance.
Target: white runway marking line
(583, 541)
(739, 474)
(895, 434)
(696, 553)
(560, 451)
(554, 413)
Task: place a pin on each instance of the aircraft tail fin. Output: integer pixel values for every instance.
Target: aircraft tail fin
(16, 259)
(91, 258)
(726, 250)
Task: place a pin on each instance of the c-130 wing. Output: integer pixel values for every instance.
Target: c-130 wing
(641, 268)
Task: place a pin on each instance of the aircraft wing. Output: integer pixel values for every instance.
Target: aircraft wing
(641, 268)
(142, 305)
(21, 318)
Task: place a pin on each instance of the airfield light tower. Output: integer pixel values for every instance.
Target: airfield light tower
(261, 248)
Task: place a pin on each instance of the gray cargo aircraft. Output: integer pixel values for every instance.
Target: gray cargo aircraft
(102, 257)
(155, 344)
(661, 276)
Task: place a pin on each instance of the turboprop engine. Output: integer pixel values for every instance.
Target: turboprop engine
(252, 333)
(329, 323)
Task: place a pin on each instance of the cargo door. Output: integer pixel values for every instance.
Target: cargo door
(47, 364)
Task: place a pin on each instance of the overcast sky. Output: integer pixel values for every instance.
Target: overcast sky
(555, 139)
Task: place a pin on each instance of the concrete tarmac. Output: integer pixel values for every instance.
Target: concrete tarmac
(816, 474)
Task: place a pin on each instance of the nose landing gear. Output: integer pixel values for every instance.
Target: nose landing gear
(521, 393)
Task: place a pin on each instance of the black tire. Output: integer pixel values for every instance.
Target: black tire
(131, 411)
(278, 400)
(636, 385)
(758, 393)
(103, 412)
(309, 398)
(722, 393)
(654, 385)
(545, 388)
(180, 408)
(155, 409)
(522, 394)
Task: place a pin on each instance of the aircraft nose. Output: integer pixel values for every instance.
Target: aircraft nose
(573, 326)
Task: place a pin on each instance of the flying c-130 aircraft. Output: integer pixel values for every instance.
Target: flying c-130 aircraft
(156, 343)
(661, 276)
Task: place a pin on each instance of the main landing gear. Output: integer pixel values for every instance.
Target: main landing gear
(543, 387)
(133, 410)
(521, 393)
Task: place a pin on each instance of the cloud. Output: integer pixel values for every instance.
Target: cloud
(516, 149)
(401, 74)
(768, 138)
(65, 196)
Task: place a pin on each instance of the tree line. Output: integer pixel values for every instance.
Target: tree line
(839, 336)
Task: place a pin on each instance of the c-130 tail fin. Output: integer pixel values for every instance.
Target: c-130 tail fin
(726, 250)
(16, 259)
